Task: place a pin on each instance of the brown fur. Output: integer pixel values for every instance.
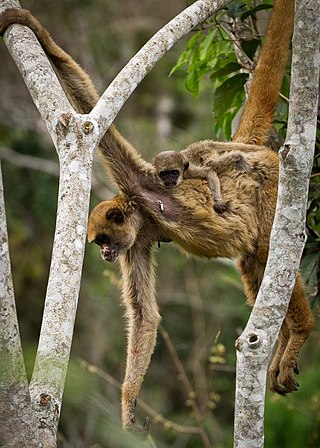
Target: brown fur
(172, 168)
(145, 212)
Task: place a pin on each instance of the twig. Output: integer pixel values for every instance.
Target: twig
(46, 166)
(199, 334)
(158, 418)
(187, 386)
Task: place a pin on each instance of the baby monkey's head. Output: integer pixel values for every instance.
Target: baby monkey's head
(170, 167)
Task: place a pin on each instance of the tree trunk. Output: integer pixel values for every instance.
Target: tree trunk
(255, 345)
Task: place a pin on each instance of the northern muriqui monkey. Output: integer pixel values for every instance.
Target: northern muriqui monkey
(172, 167)
(144, 212)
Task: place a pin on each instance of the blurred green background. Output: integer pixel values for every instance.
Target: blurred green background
(202, 303)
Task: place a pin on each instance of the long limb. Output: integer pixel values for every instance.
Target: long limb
(235, 160)
(294, 331)
(299, 323)
(198, 172)
(143, 318)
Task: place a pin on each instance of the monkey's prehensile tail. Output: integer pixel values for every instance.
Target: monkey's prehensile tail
(258, 114)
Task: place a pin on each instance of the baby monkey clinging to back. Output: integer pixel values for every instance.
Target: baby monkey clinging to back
(172, 167)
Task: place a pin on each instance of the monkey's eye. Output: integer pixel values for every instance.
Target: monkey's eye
(115, 215)
(166, 173)
(102, 239)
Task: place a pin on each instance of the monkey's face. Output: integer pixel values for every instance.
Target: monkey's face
(169, 167)
(113, 225)
(170, 178)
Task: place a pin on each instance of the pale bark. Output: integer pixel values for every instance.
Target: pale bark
(75, 140)
(14, 391)
(254, 347)
(75, 149)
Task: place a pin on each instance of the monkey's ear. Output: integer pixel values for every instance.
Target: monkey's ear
(185, 166)
(116, 215)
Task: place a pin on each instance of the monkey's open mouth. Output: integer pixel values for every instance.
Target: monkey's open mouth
(108, 254)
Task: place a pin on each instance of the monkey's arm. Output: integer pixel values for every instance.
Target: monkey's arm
(235, 160)
(143, 318)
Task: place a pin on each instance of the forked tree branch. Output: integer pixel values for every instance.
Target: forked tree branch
(75, 147)
(254, 347)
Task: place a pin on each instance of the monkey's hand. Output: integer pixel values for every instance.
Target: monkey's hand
(141, 432)
(220, 207)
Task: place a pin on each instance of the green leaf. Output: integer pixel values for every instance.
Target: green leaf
(225, 93)
(188, 54)
(192, 82)
(227, 125)
(235, 9)
(250, 47)
(226, 70)
(194, 41)
(205, 47)
(177, 67)
(252, 11)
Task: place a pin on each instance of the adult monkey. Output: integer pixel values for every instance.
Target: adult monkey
(144, 212)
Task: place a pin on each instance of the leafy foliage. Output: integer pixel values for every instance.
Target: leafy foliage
(212, 52)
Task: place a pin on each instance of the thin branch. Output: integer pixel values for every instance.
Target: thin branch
(158, 418)
(47, 166)
(31, 162)
(200, 349)
(243, 59)
(192, 400)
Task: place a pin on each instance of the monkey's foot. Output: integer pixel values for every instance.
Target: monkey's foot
(282, 380)
(220, 207)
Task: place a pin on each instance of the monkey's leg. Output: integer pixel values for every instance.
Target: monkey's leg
(214, 184)
(300, 321)
(143, 319)
(294, 331)
(274, 367)
(200, 172)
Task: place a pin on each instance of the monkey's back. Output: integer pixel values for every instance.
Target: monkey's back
(245, 227)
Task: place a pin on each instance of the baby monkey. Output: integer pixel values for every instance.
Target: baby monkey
(172, 167)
